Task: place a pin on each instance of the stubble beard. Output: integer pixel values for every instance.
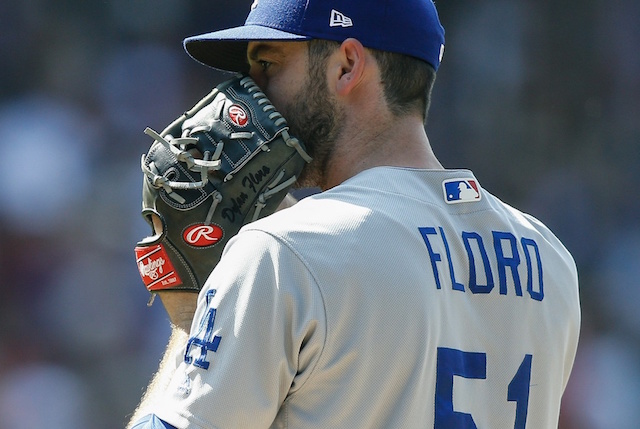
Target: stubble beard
(313, 118)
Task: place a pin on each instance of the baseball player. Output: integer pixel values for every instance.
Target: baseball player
(404, 295)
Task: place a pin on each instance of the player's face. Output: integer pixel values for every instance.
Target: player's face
(298, 89)
(278, 68)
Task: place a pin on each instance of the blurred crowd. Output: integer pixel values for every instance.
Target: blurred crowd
(541, 99)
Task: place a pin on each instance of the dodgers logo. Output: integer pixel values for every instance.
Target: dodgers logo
(461, 191)
(201, 235)
(238, 116)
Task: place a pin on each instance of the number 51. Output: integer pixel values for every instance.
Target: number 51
(474, 365)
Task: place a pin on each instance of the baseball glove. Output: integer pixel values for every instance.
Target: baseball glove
(226, 162)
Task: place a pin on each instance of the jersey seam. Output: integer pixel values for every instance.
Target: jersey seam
(430, 203)
(316, 284)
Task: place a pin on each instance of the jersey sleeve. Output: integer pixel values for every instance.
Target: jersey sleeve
(258, 331)
(152, 422)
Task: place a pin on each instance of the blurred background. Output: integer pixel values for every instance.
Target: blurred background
(541, 99)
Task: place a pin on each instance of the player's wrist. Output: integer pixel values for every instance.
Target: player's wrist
(180, 306)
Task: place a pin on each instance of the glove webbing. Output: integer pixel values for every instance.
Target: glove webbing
(211, 162)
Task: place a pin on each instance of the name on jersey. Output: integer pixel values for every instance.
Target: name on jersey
(513, 263)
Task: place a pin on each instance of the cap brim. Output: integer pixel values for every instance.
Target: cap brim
(227, 49)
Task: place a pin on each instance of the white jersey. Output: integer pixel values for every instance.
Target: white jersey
(401, 298)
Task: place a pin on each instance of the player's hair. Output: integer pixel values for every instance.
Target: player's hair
(407, 81)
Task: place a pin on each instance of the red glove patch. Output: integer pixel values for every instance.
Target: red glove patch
(155, 268)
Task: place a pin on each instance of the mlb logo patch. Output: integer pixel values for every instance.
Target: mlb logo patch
(461, 191)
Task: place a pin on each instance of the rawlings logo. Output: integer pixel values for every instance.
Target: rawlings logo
(238, 116)
(155, 267)
(201, 235)
(151, 268)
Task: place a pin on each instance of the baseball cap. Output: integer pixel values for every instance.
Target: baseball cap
(409, 27)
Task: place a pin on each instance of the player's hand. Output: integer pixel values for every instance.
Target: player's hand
(228, 161)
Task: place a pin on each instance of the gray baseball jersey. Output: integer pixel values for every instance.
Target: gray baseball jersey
(401, 298)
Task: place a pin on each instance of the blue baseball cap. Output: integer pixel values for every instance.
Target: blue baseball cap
(409, 27)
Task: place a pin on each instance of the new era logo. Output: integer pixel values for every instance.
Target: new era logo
(461, 191)
(339, 19)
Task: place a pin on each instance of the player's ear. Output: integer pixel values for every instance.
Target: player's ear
(351, 66)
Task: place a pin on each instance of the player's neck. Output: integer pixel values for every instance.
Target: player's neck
(401, 144)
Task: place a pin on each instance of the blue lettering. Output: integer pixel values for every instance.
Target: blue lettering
(505, 262)
(204, 340)
(480, 275)
(538, 295)
(473, 278)
(450, 363)
(435, 257)
(454, 284)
